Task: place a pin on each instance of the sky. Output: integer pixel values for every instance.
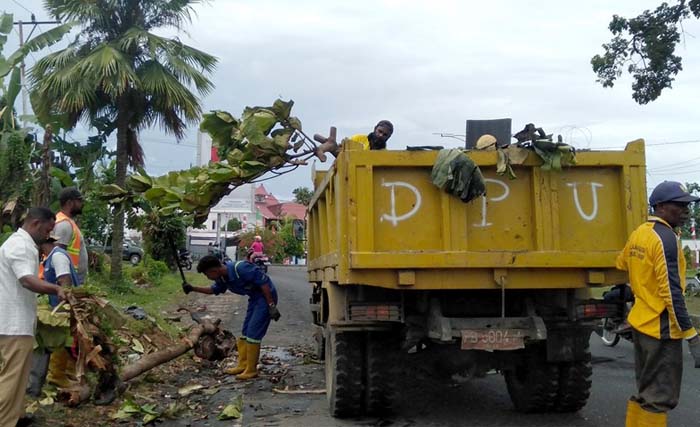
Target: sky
(428, 66)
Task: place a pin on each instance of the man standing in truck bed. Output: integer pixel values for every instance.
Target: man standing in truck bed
(656, 266)
(376, 140)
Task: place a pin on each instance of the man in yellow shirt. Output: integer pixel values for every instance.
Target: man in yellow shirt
(377, 139)
(659, 318)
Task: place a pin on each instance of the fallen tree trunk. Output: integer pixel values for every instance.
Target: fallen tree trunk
(150, 361)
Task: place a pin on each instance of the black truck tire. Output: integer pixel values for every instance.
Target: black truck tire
(379, 378)
(344, 357)
(533, 383)
(574, 384)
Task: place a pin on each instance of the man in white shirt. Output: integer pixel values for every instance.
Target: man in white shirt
(19, 284)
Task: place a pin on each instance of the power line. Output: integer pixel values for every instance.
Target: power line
(22, 6)
(656, 144)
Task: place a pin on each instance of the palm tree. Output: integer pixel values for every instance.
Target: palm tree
(117, 69)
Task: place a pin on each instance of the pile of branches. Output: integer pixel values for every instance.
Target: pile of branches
(90, 318)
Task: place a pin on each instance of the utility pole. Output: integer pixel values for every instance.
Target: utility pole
(23, 82)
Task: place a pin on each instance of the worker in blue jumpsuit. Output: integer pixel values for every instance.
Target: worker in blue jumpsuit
(242, 278)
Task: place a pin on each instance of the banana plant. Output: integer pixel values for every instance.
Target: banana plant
(11, 65)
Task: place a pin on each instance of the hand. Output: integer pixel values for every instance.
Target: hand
(274, 312)
(694, 344)
(187, 288)
(61, 293)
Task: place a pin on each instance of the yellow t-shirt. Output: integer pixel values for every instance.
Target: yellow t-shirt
(362, 139)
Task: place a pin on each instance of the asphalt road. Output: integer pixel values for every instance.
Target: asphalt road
(424, 401)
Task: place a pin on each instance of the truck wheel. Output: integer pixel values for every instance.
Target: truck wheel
(344, 354)
(379, 379)
(533, 384)
(574, 384)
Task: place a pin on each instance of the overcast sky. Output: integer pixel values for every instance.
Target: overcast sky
(428, 66)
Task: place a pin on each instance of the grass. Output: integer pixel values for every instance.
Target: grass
(154, 298)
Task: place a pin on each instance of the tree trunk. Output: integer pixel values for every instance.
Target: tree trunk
(152, 360)
(42, 194)
(118, 223)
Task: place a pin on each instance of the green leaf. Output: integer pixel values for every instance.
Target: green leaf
(6, 23)
(62, 176)
(112, 190)
(13, 89)
(232, 410)
(295, 123)
(154, 194)
(282, 109)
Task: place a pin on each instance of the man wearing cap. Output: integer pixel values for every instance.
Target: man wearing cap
(71, 239)
(69, 235)
(19, 286)
(654, 260)
(376, 140)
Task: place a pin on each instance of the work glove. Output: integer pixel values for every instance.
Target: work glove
(187, 288)
(694, 344)
(274, 312)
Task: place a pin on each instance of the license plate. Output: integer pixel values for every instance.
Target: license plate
(492, 339)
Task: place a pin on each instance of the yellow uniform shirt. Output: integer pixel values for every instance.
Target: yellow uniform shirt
(362, 139)
(656, 265)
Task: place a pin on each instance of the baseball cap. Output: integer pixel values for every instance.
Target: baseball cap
(52, 238)
(671, 191)
(69, 193)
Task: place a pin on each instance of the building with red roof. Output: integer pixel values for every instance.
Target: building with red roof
(272, 211)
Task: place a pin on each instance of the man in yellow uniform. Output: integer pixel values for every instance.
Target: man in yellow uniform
(659, 318)
(377, 139)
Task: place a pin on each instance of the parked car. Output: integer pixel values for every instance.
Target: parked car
(130, 251)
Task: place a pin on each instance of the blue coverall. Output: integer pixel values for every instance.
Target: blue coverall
(245, 278)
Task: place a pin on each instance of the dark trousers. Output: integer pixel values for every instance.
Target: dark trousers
(658, 366)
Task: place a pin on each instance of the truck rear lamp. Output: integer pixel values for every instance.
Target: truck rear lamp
(597, 310)
(389, 312)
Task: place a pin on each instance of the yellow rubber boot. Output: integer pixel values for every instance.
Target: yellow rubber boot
(242, 358)
(61, 369)
(251, 370)
(638, 417)
(633, 410)
(651, 419)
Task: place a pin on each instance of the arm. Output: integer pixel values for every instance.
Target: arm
(267, 293)
(201, 290)
(666, 270)
(39, 286)
(61, 264)
(64, 231)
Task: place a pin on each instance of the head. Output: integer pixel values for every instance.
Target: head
(670, 201)
(47, 246)
(71, 201)
(258, 239)
(382, 132)
(38, 223)
(211, 267)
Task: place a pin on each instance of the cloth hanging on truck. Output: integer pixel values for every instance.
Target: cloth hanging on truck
(458, 175)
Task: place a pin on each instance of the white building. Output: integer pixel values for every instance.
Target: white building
(239, 204)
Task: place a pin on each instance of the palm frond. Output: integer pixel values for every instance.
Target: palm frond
(110, 68)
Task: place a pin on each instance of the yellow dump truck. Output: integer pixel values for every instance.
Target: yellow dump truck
(400, 268)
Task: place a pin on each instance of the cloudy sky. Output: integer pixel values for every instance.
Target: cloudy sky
(428, 66)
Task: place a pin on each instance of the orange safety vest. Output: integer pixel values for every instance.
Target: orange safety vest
(73, 247)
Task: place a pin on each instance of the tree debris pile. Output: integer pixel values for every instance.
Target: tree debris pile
(110, 354)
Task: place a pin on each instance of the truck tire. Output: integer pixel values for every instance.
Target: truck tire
(344, 357)
(379, 378)
(533, 383)
(574, 384)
